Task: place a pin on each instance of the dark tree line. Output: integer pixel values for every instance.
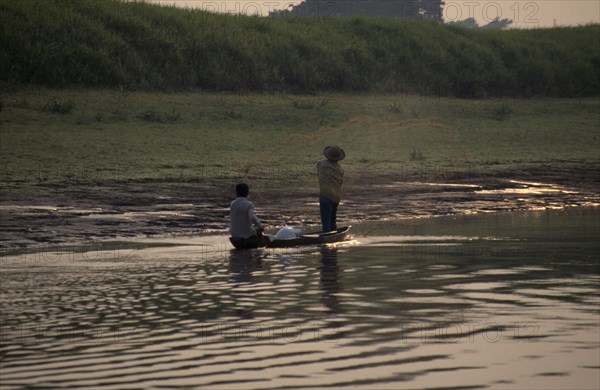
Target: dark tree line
(408, 9)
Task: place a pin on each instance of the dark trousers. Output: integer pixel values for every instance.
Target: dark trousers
(328, 213)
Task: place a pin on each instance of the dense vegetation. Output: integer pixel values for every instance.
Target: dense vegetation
(109, 43)
(407, 9)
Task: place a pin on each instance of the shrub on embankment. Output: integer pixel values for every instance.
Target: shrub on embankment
(109, 43)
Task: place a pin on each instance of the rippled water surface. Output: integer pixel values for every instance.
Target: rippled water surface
(498, 301)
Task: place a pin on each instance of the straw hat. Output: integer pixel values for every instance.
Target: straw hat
(334, 153)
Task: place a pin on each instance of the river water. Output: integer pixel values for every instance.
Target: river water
(501, 300)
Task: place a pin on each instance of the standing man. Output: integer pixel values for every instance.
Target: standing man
(331, 176)
(241, 219)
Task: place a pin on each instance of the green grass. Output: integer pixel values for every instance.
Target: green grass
(137, 46)
(118, 135)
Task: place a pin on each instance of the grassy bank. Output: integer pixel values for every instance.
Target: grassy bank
(108, 43)
(57, 136)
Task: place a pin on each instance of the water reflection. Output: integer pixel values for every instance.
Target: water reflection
(243, 268)
(474, 302)
(243, 263)
(329, 283)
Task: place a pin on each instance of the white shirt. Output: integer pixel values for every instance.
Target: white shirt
(241, 218)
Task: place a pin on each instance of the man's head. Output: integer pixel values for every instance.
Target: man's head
(242, 189)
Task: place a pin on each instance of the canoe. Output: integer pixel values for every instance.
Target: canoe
(315, 238)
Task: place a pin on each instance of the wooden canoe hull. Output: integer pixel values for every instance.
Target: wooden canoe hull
(249, 243)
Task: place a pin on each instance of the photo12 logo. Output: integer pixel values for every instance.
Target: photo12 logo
(485, 12)
(487, 332)
(319, 9)
(53, 254)
(260, 8)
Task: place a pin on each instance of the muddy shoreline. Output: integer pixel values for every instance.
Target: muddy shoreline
(59, 213)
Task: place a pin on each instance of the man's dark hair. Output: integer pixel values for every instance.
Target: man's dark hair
(242, 189)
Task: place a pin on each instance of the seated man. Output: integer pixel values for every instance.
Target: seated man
(241, 219)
